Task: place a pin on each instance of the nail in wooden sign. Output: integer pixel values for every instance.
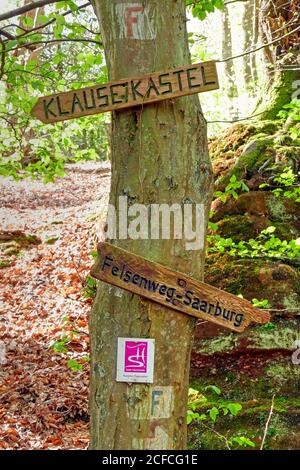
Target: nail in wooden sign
(174, 289)
(126, 93)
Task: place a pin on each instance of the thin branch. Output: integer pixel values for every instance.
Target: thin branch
(236, 120)
(260, 47)
(2, 59)
(26, 8)
(235, 1)
(6, 34)
(280, 309)
(10, 37)
(13, 25)
(226, 3)
(53, 41)
(221, 436)
(267, 423)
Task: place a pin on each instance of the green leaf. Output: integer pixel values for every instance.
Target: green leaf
(60, 19)
(213, 226)
(213, 388)
(213, 413)
(270, 229)
(219, 4)
(234, 408)
(74, 365)
(242, 441)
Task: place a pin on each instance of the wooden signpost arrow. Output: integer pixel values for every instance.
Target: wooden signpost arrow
(150, 88)
(174, 289)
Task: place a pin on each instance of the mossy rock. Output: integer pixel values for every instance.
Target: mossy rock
(235, 137)
(245, 376)
(257, 157)
(17, 236)
(258, 338)
(233, 275)
(260, 149)
(255, 211)
(277, 282)
(240, 227)
(250, 423)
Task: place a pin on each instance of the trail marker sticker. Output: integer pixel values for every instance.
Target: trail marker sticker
(150, 88)
(174, 289)
(135, 361)
(135, 21)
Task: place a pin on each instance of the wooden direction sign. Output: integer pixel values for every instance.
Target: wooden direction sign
(173, 289)
(128, 92)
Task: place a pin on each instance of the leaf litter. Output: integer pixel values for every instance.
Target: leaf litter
(44, 401)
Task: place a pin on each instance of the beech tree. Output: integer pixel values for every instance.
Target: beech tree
(227, 51)
(279, 26)
(159, 155)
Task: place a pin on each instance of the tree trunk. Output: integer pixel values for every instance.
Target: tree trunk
(255, 37)
(227, 51)
(277, 17)
(247, 22)
(159, 155)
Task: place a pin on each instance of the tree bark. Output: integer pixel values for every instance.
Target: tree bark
(159, 155)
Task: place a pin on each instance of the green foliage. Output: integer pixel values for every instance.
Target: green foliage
(200, 8)
(234, 186)
(214, 406)
(260, 303)
(213, 388)
(77, 366)
(269, 326)
(90, 288)
(266, 245)
(291, 112)
(29, 148)
(74, 365)
(241, 441)
(61, 345)
(288, 185)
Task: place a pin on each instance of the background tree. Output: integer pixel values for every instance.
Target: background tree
(248, 29)
(44, 51)
(279, 24)
(227, 52)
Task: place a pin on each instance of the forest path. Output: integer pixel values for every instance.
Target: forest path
(44, 402)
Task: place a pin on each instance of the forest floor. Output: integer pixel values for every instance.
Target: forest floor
(43, 400)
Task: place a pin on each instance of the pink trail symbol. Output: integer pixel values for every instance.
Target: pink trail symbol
(136, 356)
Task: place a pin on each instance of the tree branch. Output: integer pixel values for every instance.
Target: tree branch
(236, 120)
(267, 423)
(25, 8)
(52, 41)
(2, 58)
(7, 34)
